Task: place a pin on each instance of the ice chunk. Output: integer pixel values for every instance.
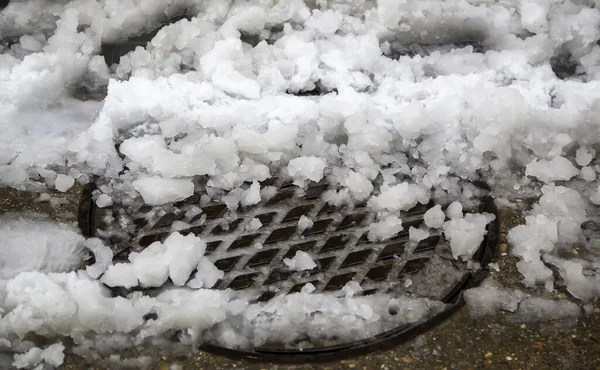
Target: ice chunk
(588, 174)
(556, 169)
(435, 217)
(179, 225)
(528, 241)
(534, 272)
(566, 207)
(150, 266)
(150, 152)
(156, 190)
(182, 254)
(416, 235)
(466, 234)
(304, 223)
(28, 359)
(300, 261)
(385, 229)
(207, 275)
(30, 43)
(53, 354)
(358, 184)
(534, 15)
(304, 168)
(102, 255)
(233, 82)
(351, 288)
(583, 287)
(401, 197)
(326, 22)
(308, 288)
(104, 200)
(179, 309)
(583, 156)
(63, 182)
(254, 224)
(120, 274)
(252, 195)
(455, 210)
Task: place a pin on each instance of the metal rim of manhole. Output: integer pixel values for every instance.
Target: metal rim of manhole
(336, 242)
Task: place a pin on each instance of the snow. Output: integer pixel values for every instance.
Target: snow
(209, 105)
(301, 261)
(157, 190)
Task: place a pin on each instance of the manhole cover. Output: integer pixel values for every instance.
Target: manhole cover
(251, 244)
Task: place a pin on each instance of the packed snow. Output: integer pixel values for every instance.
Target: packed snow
(398, 103)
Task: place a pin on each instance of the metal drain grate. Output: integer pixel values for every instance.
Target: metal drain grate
(252, 259)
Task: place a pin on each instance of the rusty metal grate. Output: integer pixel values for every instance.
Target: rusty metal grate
(337, 241)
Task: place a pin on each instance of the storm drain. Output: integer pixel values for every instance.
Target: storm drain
(252, 258)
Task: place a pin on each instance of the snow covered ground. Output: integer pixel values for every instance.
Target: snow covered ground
(224, 95)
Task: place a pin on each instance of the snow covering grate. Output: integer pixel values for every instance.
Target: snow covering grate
(253, 259)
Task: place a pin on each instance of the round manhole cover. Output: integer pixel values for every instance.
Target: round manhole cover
(260, 251)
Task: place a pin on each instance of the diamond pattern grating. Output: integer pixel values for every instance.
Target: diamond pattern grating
(337, 241)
